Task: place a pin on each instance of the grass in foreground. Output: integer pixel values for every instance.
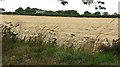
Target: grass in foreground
(46, 54)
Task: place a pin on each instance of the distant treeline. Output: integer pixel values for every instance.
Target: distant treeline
(66, 13)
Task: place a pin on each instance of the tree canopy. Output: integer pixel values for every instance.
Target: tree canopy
(19, 10)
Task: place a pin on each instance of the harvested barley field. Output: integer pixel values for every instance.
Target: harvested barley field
(65, 26)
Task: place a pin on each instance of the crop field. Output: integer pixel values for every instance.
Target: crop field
(38, 39)
(80, 27)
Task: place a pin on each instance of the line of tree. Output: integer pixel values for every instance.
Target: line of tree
(66, 13)
(99, 14)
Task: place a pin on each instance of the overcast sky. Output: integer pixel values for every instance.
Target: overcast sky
(111, 5)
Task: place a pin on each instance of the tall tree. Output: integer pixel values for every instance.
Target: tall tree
(87, 13)
(19, 10)
(105, 13)
(97, 13)
(29, 10)
(115, 14)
